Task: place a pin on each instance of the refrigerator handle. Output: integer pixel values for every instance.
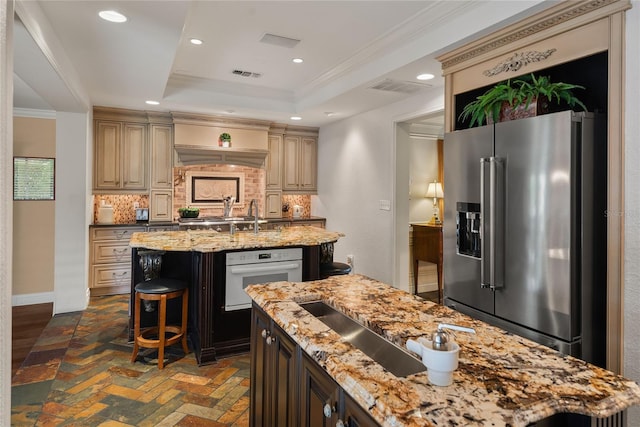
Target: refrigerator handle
(492, 222)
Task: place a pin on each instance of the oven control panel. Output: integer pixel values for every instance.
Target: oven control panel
(263, 256)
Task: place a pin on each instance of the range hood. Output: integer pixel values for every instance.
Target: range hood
(196, 140)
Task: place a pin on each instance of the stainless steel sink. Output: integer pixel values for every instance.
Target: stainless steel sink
(391, 357)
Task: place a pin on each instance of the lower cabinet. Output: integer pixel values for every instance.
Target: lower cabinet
(273, 374)
(288, 388)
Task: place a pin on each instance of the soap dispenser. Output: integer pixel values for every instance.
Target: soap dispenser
(440, 354)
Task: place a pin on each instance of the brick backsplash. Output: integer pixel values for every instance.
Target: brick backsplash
(254, 184)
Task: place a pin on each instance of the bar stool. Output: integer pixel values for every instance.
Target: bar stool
(328, 267)
(160, 289)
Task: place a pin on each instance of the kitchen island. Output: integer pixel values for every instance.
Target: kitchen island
(502, 379)
(199, 258)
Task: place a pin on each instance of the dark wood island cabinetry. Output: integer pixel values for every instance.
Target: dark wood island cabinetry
(199, 258)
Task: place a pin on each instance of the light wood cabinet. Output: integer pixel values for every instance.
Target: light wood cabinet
(273, 204)
(110, 260)
(161, 157)
(161, 205)
(300, 164)
(273, 163)
(120, 156)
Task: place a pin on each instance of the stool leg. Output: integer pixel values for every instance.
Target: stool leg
(185, 306)
(162, 320)
(136, 327)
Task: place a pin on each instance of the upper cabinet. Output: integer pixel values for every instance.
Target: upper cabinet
(300, 161)
(120, 154)
(161, 156)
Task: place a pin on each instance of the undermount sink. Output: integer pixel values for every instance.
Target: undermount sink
(391, 357)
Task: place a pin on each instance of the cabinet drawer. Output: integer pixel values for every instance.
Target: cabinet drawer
(111, 252)
(116, 233)
(111, 275)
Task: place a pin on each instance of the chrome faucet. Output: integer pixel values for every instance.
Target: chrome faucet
(252, 203)
(253, 211)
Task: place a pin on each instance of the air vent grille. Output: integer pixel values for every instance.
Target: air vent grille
(399, 86)
(246, 73)
(279, 40)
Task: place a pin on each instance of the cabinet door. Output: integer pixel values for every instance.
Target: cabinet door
(273, 163)
(291, 163)
(308, 174)
(284, 396)
(161, 157)
(134, 157)
(273, 204)
(161, 205)
(259, 399)
(319, 396)
(107, 155)
(355, 415)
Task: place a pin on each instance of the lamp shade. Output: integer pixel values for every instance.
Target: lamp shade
(435, 190)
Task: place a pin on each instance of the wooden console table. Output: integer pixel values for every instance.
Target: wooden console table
(427, 246)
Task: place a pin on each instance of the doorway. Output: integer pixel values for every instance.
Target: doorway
(417, 164)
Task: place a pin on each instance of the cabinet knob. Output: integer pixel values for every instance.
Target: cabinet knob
(264, 333)
(269, 340)
(340, 423)
(328, 410)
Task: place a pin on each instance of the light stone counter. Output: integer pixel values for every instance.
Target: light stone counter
(502, 379)
(212, 241)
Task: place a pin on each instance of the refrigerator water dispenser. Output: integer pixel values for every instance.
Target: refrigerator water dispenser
(468, 229)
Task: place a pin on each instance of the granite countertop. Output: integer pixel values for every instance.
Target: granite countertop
(502, 379)
(212, 241)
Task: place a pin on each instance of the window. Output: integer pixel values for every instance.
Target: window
(33, 178)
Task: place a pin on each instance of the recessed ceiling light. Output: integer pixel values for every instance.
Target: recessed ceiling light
(425, 76)
(150, 102)
(298, 60)
(296, 118)
(196, 41)
(112, 16)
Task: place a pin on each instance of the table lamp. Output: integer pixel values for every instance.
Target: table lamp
(435, 191)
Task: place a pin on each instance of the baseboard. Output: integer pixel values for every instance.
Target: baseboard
(29, 299)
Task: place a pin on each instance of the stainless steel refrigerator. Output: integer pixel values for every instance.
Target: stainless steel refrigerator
(525, 229)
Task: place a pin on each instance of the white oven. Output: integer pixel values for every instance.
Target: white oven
(258, 266)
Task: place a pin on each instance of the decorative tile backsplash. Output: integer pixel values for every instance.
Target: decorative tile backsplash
(296, 199)
(123, 210)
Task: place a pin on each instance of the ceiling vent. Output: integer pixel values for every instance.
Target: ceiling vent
(400, 86)
(279, 40)
(246, 73)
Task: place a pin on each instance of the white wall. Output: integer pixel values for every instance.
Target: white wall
(423, 169)
(73, 202)
(356, 163)
(632, 208)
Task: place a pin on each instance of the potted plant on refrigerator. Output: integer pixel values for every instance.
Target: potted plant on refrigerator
(524, 96)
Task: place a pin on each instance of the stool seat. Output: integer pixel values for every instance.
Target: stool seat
(161, 285)
(334, 269)
(160, 290)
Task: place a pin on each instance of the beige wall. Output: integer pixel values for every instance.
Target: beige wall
(33, 221)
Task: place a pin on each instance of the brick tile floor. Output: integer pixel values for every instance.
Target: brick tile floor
(79, 374)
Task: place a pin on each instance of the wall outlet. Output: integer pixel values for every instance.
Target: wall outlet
(136, 205)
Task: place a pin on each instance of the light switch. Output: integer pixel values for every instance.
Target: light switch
(385, 205)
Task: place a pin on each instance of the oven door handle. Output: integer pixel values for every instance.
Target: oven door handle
(263, 267)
